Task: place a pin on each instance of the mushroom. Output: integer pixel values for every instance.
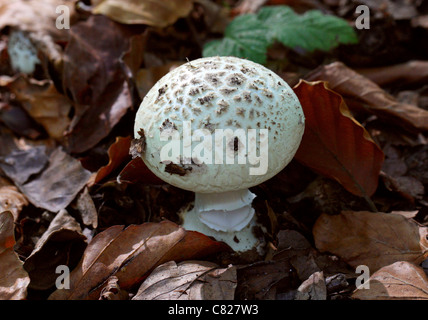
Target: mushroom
(218, 126)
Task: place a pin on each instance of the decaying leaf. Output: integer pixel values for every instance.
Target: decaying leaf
(112, 290)
(14, 279)
(136, 171)
(189, 280)
(130, 253)
(58, 184)
(398, 281)
(371, 239)
(118, 152)
(12, 200)
(259, 280)
(43, 103)
(313, 288)
(370, 96)
(96, 79)
(61, 244)
(150, 12)
(334, 144)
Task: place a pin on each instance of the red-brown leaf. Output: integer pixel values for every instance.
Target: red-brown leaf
(130, 253)
(334, 143)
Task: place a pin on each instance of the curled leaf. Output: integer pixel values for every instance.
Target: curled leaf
(334, 144)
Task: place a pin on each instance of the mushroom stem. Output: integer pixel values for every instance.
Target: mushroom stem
(227, 216)
(226, 211)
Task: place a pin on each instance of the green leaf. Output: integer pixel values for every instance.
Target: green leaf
(245, 37)
(311, 31)
(249, 36)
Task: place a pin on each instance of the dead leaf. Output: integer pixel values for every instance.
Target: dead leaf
(20, 164)
(14, 279)
(61, 244)
(130, 253)
(292, 246)
(150, 12)
(12, 200)
(38, 19)
(371, 239)
(399, 281)
(85, 205)
(189, 280)
(96, 79)
(334, 144)
(112, 290)
(43, 103)
(313, 288)
(410, 72)
(58, 184)
(369, 96)
(259, 280)
(136, 171)
(118, 153)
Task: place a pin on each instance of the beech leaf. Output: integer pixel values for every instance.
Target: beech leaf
(334, 144)
(371, 239)
(398, 281)
(130, 253)
(14, 279)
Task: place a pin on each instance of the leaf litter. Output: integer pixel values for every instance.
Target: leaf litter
(70, 193)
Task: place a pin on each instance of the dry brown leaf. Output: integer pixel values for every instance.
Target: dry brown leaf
(14, 279)
(334, 144)
(118, 153)
(371, 239)
(130, 253)
(43, 103)
(12, 200)
(189, 280)
(151, 12)
(398, 281)
(112, 290)
(57, 186)
(368, 95)
(61, 244)
(38, 18)
(313, 288)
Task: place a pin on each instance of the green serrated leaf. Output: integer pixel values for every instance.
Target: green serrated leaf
(245, 37)
(311, 31)
(249, 36)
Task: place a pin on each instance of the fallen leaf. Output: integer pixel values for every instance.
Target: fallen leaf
(96, 79)
(150, 12)
(410, 72)
(313, 288)
(371, 239)
(61, 244)
(136, 171)
(334, 144)
(86, 207)
(20, 164)
(14, 279)
(43, 103)
(369, 96)
(259, 280)
(58, 184)
(118, 153)
(130, 253)
(12, 200)
(292, 246)
(38, 19)
(189, 280)
(112, 290)
(399, 281)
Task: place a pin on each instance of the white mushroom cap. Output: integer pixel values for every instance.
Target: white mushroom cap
(220, 93)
